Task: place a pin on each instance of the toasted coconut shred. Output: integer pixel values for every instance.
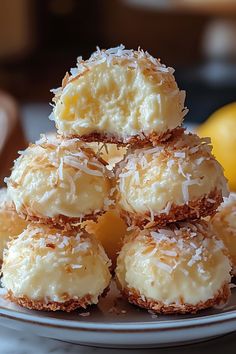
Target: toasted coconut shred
(83, 160)
(131, 58)
(75, 242)
(192, 232)
(193, 240)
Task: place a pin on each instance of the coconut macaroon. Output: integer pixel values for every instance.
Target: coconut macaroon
(50, 269)
(119, 96)
(11, 225)
(178, 269)
(224, 224)
(173, 181)
(59, 181)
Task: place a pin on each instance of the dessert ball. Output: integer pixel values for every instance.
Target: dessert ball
(174, 181)
(119, 96)
(110, 230)
(224, 224)
(50, 269)
(11, 224)
(60, 182)
(178, 269)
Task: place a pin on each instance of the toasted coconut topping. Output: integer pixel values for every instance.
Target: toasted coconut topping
(63, 241)
(178, 238)
(139, 103)
(130, 58)
(76, 154)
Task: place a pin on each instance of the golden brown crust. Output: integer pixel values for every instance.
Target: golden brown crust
(195, 209)
(137, 140)
(134, 297)
(59, 221)
(67, 306)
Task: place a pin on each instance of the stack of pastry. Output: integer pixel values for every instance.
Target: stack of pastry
(168, 180)
(54, 264)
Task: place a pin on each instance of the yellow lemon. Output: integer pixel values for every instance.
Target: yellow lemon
(221, 128)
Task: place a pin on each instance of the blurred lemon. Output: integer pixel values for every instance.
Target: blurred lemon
(221, 128)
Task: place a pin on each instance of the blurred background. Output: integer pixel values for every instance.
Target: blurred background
(40, 40)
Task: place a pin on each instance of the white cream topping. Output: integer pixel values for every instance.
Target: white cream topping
(47, 265)
(184, 264)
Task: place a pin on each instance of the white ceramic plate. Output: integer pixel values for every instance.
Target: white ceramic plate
(114, 323)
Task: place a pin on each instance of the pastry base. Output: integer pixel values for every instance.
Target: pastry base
(59, 221)
(67, 306)
(134, 297)
(193, 210)
(136, 140)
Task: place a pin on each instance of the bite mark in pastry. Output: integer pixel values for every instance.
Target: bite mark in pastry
(119, 96)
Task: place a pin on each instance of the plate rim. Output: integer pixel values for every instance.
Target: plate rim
(118, 327)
